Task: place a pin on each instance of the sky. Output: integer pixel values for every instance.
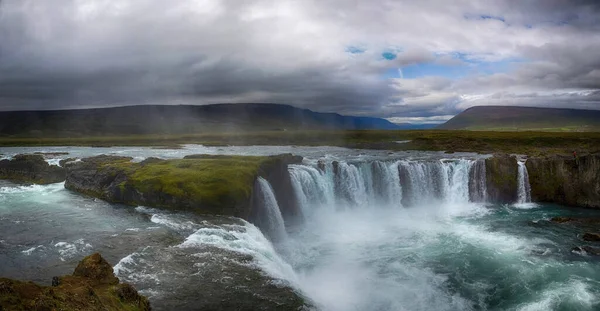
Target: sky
(407, 61)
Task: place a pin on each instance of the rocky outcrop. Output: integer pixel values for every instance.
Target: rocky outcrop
(502, 178)
(93, 286)
(591, 237)
(565, 180)
(203, 184)
(31, 168)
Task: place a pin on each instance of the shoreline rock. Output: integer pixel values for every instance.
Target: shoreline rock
(31, 168)
(93, 286)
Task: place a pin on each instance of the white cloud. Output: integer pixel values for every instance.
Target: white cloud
(99, 52)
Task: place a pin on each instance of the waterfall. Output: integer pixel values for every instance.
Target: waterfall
(443, 180)
(313, 188)
(524, 189)
(270, 219)
(392, 184)
(477, 182)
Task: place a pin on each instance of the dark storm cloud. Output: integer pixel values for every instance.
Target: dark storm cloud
(91, 53)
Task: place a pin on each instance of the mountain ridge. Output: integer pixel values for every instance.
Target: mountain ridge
(177, 119)
(516, 118)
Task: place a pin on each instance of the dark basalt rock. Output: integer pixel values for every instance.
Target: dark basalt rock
(591, 237)
(565, 180)
(64, 162)
(93, 286)
(502, 178)
(31, 168)
(95, 177)
(576, 220)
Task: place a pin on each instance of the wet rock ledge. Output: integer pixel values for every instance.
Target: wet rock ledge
(93, 286)
(31, 168)
(203, 184)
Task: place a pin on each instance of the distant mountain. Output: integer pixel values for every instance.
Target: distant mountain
(506, 118)
(139, 120)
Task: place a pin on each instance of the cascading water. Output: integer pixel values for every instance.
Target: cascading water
(381, 183)
(477, 182)
(270, 219)
(524, 189)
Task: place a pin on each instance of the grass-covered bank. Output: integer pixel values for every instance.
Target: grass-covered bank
(533, 143)
(219, 185)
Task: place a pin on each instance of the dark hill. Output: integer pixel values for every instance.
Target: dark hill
(506, 118)
(140, 120)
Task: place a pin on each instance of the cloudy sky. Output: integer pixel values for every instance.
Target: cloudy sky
(418, 61)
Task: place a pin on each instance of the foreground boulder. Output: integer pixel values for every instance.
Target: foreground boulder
(502, 178)
(31, 168)
(203, 184)
(93, 286)
(565, 180)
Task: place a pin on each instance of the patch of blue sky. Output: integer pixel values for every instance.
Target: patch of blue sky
(469, 67)
(355, 50)
(388, 55)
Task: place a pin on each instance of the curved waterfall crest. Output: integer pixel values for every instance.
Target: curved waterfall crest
(392, 184)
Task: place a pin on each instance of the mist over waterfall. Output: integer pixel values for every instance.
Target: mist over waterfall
(270, 219)
(524, 189)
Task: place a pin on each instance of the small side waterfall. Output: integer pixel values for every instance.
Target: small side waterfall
(270, 218)
(524, 189)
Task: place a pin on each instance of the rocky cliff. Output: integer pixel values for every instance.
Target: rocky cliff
(31, 168)
(565, 180)
(93, 286)
(202, 184)
(502, 178)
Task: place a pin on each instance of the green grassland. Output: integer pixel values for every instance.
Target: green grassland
(532, 143)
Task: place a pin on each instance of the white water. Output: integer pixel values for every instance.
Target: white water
(271, 218)
(524, 189)
(477, 182)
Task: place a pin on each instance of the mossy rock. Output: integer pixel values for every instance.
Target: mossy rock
(203, 184)
(93, 287)
(31, 168)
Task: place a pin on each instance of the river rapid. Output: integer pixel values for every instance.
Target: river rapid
(378, 230)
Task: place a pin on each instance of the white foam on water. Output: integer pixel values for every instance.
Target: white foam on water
(68, 250)
(123, 266)
(30, 251)
(40, 189)
(576, 295)
(248, 240)
(529, 205)
(168, 220)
